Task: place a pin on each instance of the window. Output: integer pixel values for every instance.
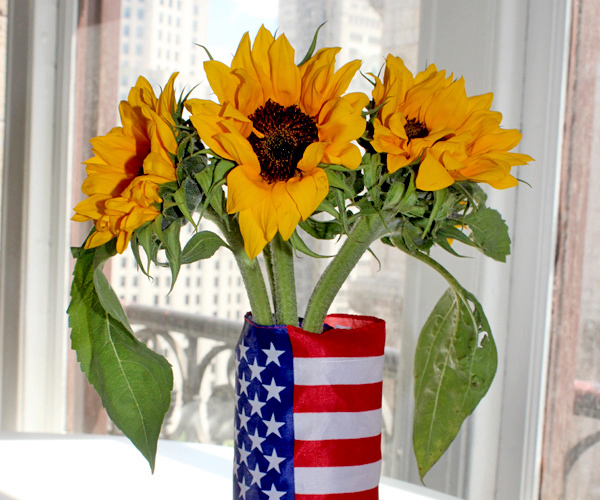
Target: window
(517, 292)
(140, 14)
(140, 32)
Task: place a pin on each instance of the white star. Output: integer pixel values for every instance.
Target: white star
(273, 390)
(256, 370)
(244, 488)
(244, 385)
(257, 475)
(256, 440)
(274, 461)
(256, 405)
(272, 355)
(273, 494)
(243, 350)
(244, 455)
(273, 426)
(244, 421)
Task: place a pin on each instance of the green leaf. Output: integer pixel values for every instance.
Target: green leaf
(455, 363)
(299, 245)
(202, 245)
(313, 46)
(108, 298)
(169, 237)
(193, 164)
(336, 180)
(222, 168)
(489, 232)
(134, 383)
(322, 230)
(149, 242)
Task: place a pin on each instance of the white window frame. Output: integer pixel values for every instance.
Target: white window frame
(516, 48)
(519, 50)
(34, 261)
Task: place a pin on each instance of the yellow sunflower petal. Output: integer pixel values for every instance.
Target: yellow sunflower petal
(305, 193)
(98, 238)
(221, 80)
(285, 74)
(432, 175)
(312, 156)
(254, 241)
(245, 188)
(288, 215)
(239, 149)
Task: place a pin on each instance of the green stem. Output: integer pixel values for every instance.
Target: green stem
(426, 259)
(249, 269)
(363, 234)
(283, 282)
(268, 255)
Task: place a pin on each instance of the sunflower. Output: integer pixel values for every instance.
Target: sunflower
(278, 121)
(429, 118)
(129, 165)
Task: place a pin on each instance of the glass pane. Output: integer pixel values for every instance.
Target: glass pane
(155, 38)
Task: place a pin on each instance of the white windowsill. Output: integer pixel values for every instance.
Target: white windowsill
(70, 467)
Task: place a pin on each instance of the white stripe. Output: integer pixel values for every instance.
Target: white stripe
(338, 425)
(338, 371)
(331, 480)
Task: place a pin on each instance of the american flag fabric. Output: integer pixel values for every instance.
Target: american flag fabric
(308, 414)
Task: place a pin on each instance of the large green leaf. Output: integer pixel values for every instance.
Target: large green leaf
(134, 383)
(202, 245)
(455, 363)
(489, 232)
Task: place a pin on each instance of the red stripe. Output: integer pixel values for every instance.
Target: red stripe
(361, 495)
(366, 337)
(337, 452)
(334, 398)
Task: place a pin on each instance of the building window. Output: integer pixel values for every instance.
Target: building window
(124, 262)
(217, 281)
(140, 31)
(156, 300)
(215, 299)
(134, 298)
(198, 281)
(135, 281)
(140, 14)
(127, 13)
(187, 300)
(187, 281)
(122, 280)
(139, 50)
(197, 299)
(168, 299)
(126, 30)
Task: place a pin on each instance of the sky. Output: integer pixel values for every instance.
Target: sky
(230, 19)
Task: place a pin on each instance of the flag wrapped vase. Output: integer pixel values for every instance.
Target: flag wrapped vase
(308, 411)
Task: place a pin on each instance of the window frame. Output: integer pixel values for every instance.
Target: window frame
(517, 296)
(34, 262)
(519, 50)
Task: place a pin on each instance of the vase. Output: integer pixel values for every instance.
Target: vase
(308, 411)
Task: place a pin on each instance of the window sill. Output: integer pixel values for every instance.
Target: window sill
(74, 466)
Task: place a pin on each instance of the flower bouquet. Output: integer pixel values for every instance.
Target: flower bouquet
(286, 148)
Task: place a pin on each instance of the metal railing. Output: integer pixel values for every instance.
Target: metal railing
(201, 351)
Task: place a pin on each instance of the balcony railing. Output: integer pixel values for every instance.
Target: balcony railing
(201, 350)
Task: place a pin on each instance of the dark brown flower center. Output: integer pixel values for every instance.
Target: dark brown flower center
(415, 129)
(287, 133)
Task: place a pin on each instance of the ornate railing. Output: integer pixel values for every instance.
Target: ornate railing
(201, 350)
